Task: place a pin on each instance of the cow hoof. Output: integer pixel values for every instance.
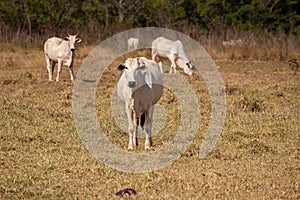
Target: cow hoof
(130, 148)
(148, 143)
(147, 147)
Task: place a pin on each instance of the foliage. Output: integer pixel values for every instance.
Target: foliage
(39, 16)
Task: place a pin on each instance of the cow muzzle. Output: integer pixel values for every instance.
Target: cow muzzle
(131, 84)
(72, 49)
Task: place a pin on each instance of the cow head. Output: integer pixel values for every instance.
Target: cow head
(190, 65)
(186, 65)
(72, 39)
(136, 73)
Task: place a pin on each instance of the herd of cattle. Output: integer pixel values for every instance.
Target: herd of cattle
(62, 52)
(141, 84)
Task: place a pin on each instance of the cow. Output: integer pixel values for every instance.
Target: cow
(141, 87)
(229, 43)
(62, 52)
(173, 50)
(133, 43)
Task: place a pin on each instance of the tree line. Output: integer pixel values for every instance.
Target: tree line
(30, 18)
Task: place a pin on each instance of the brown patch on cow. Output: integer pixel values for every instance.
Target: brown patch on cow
(58, 43)
(130, 63)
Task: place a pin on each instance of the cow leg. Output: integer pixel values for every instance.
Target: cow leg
(160, 66)
(130, 143)
(173, 64)
(148, 128)
(131, 128)
(135, 130)
(52, 68)
(49, 66)
(58, 69)
(154, 53)
(133, 142)
(135, 138)
(71, 72)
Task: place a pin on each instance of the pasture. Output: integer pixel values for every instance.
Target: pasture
(42, 157)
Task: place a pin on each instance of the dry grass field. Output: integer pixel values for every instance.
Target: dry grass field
(42, 157)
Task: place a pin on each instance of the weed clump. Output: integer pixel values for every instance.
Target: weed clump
(233, 89)
(294, 64)
(258, 147)
(29, 75)
(251, 104)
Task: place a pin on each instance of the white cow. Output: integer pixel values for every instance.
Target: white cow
(173, 50)
(133, 43)
(229, 43)
(61, 51)
(140, 86)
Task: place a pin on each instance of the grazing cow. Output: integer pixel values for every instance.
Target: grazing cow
(140, 86)
(60, 51)
(229, 43)
(165, 48)
(133, 43)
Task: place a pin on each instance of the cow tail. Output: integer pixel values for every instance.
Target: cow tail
(142, 122)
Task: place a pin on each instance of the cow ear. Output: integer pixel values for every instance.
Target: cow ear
(78, 40)
(121, 67)
(148, 79)
(141, 63)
